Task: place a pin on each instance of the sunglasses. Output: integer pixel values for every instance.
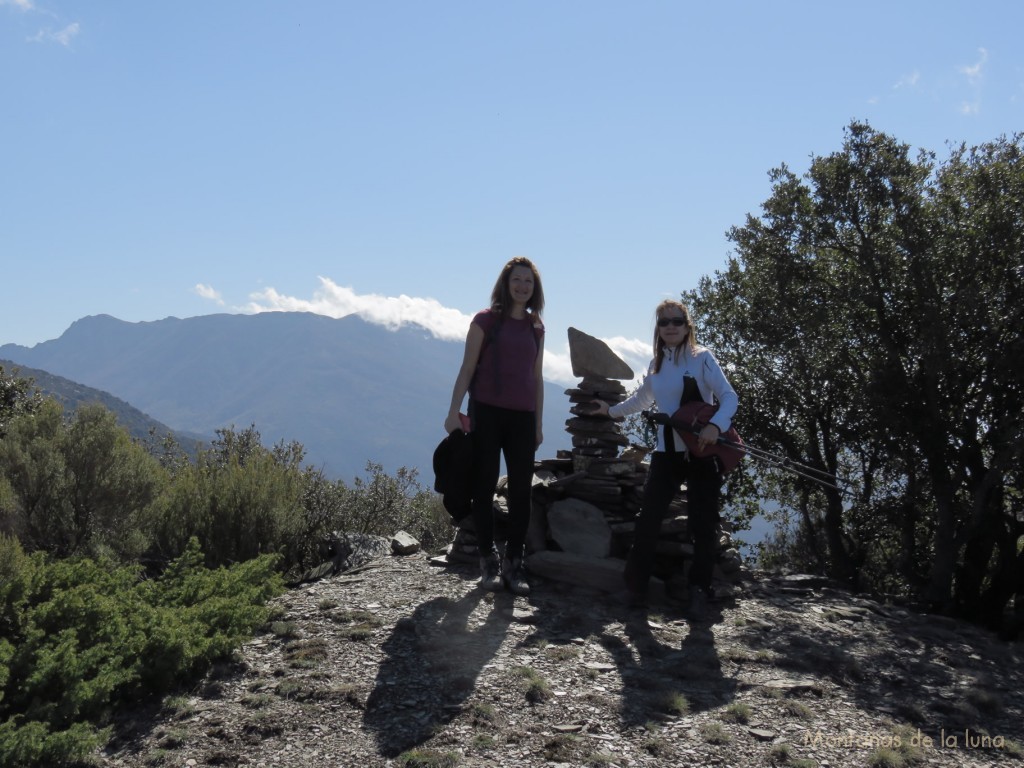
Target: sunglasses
(677, 321)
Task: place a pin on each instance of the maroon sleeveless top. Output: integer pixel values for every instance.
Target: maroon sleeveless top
(504, 374)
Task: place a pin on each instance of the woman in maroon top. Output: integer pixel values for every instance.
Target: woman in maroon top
(501, 372)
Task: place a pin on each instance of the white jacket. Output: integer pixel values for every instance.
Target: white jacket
(665, 388)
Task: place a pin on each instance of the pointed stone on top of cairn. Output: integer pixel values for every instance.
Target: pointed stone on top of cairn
(592, 357)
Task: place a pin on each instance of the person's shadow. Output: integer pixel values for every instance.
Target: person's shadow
(660, 680)
(432, 660)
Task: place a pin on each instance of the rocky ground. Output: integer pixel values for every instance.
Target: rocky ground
(404, 663)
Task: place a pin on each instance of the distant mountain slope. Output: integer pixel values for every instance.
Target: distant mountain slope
(348, 390)
(73, 395)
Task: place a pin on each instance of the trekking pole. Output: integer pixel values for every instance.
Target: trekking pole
(805, 471)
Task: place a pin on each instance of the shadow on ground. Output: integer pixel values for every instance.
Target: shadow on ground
(432, 661)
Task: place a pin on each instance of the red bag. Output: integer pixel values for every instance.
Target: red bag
(691, 418)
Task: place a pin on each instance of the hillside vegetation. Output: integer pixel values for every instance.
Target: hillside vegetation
(128, 568)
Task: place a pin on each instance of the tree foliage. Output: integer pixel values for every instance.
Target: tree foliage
(239, 499)
(83, 486)
(17, 396)
(77, 487)
(381, 504)
(874, 315)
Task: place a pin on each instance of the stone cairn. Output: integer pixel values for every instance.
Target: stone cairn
(585, 500)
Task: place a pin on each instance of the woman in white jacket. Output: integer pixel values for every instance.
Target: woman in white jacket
(681, 371)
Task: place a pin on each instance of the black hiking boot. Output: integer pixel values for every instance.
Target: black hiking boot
(490, 573)
(513, 576)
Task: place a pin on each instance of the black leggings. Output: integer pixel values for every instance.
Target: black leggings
(498, 431)
(703, 491)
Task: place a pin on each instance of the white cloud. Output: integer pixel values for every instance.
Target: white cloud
(558, 362)
(558, 367)
(969, 108)
(908, 81)
(394, 312)
(208, 292)
(973, 71)
(66, 35)
(635, 352)
(62, 37)
(21, 5)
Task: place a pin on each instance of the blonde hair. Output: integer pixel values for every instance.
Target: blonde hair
(659, 343)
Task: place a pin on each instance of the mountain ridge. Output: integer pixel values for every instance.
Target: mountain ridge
(349, 390)
(73, 395)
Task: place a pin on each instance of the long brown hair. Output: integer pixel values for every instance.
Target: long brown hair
(501, 296)
(659, 343)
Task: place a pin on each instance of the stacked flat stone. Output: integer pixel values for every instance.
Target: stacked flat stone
(606, 478)
(594, 436)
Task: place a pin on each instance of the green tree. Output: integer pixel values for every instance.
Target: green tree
(976, 380)
(112, 482)
(382, 504)
(17, 396)
(239, 499)
(78, 487)
(35, 507)
(871, 311)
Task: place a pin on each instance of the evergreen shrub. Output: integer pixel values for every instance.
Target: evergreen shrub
(82, 638)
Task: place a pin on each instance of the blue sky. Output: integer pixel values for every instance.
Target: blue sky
(179, 159)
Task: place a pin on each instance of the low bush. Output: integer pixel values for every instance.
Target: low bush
(81, 638)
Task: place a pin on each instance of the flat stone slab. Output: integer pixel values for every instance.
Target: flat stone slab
(580, 527)
(603, 573)
(592, 357)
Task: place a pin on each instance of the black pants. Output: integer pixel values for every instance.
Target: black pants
(498, 431)
(703, 493)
